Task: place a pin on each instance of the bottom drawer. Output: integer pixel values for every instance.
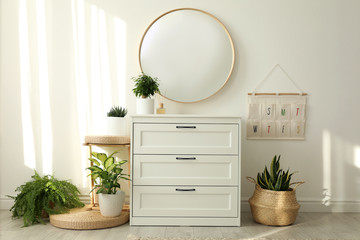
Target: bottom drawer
(185, 201)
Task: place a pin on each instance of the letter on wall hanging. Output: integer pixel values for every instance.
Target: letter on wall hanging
(276, 117)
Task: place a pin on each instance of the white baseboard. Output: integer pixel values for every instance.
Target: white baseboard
(306, 205)
(318, 206)
(6, 203)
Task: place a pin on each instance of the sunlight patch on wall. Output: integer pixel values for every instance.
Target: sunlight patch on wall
(120, 48)
(25, 78)
(357, 156)
(45, 113)
(105, 66)
(326, 167)
(96, 83)
(78, 24)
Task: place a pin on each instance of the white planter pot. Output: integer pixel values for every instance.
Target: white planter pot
(145, 106)
(116, 126)
(111, 204)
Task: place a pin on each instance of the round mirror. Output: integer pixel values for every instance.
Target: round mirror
(190, 51)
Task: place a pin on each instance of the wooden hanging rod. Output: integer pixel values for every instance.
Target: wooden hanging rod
(280, 94)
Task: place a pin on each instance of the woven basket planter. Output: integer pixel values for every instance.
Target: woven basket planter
(274, 208)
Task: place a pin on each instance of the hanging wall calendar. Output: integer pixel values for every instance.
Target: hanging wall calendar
(276, 115)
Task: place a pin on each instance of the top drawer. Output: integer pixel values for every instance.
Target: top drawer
(185, 138)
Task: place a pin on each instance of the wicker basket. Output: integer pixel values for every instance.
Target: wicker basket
(274, 208)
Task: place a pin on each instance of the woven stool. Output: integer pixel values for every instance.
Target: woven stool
(86, 218)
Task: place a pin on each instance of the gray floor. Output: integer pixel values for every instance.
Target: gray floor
(307, 226)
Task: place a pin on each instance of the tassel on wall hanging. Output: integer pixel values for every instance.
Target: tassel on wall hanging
(276, 115)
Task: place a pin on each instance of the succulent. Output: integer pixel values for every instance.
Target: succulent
(145, 86)
(116, 111)
(277, 179)
(106, 172)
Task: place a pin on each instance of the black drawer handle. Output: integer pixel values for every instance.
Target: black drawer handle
(186, 127)
(185, 190)
(185, 158)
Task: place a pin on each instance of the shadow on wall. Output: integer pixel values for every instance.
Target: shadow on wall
(98, 51)
(341, 161)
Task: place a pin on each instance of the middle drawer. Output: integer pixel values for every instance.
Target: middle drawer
(185, 170)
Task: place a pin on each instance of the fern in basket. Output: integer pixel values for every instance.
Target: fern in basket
(44, 194)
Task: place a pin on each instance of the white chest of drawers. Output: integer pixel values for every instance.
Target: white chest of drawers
(185, 170)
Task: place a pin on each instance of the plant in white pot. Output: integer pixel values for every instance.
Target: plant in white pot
(116, 123)
(274, 201)
(106, 173)
(145, 87)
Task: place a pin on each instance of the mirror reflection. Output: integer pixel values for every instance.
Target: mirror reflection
(190, 52)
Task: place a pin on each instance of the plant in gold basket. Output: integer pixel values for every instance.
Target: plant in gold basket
(274, 201)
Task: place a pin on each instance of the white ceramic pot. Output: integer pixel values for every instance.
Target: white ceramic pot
(145, 106)
(116, 126)
(111, 204)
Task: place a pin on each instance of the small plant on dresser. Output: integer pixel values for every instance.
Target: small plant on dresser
(145, 87)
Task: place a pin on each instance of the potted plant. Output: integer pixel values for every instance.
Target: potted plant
(44, 195)
(116, 121)
(106, 173)
(145, 88)
(274, 201)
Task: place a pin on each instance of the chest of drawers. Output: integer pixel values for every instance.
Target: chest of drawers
(185, 170)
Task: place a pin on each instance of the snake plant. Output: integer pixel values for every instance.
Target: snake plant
(276, 179)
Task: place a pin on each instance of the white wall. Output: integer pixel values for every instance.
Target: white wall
(66, 86)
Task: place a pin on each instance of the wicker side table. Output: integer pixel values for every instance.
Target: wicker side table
(106, 141)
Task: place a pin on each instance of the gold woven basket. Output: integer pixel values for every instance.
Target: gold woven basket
(274, 208)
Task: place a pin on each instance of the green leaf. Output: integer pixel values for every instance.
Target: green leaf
(111, 168)
(273, 169)
(121, 162)
(113, 153)
(278, 184)
(102, 157)
(108, 162)
(95, 169)
(94, 154)
(96, 162)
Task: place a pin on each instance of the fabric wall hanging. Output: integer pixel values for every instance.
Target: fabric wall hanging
(276, 115)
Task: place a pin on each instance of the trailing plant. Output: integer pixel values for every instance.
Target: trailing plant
(277, 179)
(117, 111)
(46, 194)
(145, 86)
(106, 172)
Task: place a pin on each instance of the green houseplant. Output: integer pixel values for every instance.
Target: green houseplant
(274, 201)
(145, 87)
(116, 124)
(106, 173)
(44, 194)
(117, 111)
